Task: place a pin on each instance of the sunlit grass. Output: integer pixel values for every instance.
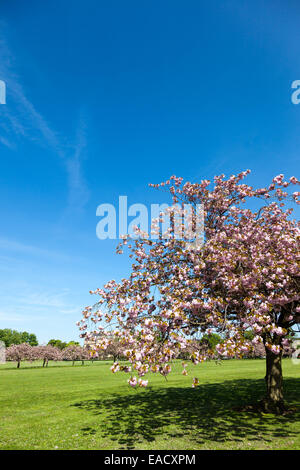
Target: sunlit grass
(88, 407)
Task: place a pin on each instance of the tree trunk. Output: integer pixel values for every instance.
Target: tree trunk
(273, 403)
(18, 365)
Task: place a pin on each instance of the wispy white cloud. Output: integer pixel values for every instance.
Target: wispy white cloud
(12, 318)
(7, 143)
(78, 190)
(20, 119)
(16, 246)
(44, 299)
(35, 302)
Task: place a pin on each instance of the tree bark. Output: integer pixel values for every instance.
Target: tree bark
(18, 365)
(273, 403)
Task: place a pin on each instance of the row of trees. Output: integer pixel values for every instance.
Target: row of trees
(57, 343)
(115, 350)
(207, 345)
(71, 352)
(25, 352)
(9, 337)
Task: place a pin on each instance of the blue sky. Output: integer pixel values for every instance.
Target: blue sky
(106, 97)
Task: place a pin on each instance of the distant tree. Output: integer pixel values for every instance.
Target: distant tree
(258, 351)
(249, 335)
(20, 352)
(57, 343)
(48, 353)
(191, 348)
(29, 338)
(211, 340)
(9, 337)
(75, 353)
(114, 349)
(72, 343)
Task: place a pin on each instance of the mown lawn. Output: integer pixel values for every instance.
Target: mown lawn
(88, 407)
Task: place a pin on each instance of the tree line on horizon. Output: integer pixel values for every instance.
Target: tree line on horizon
(57, 350)
(10, 337)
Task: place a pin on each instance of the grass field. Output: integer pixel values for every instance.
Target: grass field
(88, 407)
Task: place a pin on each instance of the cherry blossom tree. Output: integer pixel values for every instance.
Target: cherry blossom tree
(244, 277)
(47, 353)
(194, 347)
(114, 349)
(20, 352)
(75, 353)
(25, 352)
(258, 350)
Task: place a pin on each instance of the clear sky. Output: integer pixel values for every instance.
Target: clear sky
(106, 97)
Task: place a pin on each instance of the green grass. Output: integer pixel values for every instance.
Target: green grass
(88, 407)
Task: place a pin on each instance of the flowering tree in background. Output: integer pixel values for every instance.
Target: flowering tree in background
(114, 349)
(20, 352)
(47, 353)
(25, 352)
(194, 347)
(75, 353)
(244, 277)
(258, 350)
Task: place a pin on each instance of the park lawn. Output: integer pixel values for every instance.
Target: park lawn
(88, 407)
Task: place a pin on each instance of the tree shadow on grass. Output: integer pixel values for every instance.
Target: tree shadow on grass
(207, 413)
